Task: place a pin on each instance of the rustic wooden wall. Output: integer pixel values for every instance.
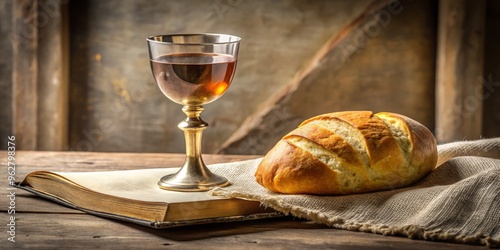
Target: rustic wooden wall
(5, 72)
(385, 63)
(115, 105)
(298, 59)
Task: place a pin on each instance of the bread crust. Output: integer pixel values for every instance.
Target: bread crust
(329, 140)
(424, 152)
(293, 168)
(315, 177)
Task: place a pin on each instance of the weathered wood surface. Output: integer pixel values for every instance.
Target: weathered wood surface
(42, 224)
(111, 82)
(89, 232)
(273, 111)
(459, 71)
(53, 68)
(5, 71)
(387, 63)
(39, 75)
(24, 40)
(343, 75)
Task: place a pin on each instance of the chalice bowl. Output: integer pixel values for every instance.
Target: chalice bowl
(193, 70)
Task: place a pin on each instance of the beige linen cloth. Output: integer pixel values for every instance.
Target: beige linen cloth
(458, 201)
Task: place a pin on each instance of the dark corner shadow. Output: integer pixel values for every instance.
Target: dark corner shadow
(79, 65)
(198, 232)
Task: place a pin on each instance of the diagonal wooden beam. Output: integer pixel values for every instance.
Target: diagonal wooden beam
(269, 118)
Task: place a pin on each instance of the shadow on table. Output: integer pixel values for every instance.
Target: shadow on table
(198, 232)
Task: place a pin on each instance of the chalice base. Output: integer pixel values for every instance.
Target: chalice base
(192, 178)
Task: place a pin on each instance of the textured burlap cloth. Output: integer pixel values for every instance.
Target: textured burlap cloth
(458, 201)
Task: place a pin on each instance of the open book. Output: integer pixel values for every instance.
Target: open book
(134, 196)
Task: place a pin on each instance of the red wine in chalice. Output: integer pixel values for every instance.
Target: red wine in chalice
(193, 78)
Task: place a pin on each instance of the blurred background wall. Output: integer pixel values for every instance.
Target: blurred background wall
(75, 75)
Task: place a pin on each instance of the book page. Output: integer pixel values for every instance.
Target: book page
(134, 184)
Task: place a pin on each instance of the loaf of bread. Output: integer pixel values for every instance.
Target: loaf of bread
(349, 152)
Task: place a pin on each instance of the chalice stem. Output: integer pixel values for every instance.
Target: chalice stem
(194, 174)
(193, 127)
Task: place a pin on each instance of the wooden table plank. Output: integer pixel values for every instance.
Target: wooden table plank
(28, 161)
(70, 230)
(30, 203)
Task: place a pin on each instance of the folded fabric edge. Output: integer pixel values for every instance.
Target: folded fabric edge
(410, 231)
(482, 147)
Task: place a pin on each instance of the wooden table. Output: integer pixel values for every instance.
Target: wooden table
(43, 224)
